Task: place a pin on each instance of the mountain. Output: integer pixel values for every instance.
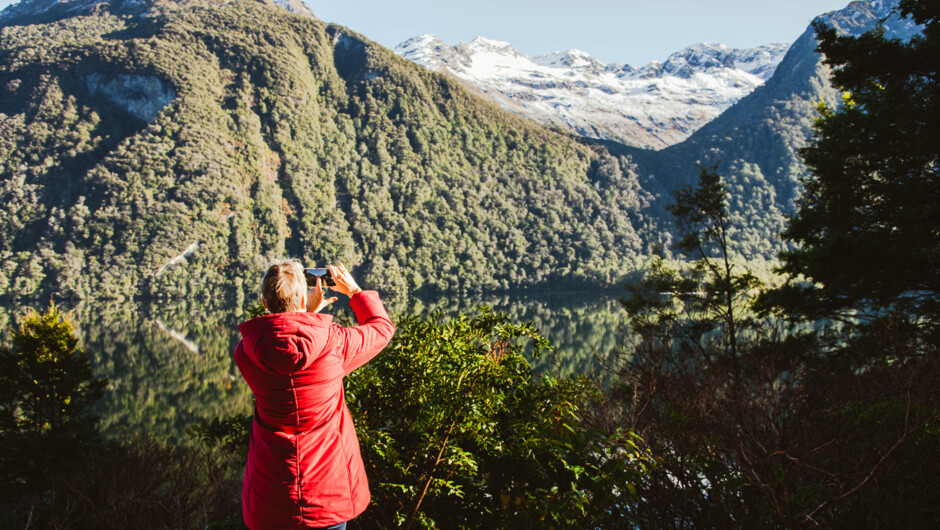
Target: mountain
(755, 143)
(174, 150)
(654, 106)
(27, 12)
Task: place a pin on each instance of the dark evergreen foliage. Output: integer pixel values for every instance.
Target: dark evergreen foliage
(761, 423)
(867, 223)
(459, 434)
(46, 392)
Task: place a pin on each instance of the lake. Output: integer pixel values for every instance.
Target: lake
(170, 364)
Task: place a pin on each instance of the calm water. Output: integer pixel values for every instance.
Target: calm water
(170, 365)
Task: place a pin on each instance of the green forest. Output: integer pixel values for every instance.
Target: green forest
(281, 135)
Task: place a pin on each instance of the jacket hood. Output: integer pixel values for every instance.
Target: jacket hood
(283, 342)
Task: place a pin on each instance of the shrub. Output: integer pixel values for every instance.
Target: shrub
(455, 432)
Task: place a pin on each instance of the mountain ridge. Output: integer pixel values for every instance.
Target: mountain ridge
(653, 106)
(42, 11)
(755, 144)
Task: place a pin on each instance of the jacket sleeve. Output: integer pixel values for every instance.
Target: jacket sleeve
(363, 342)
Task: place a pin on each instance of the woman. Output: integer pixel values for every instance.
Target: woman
(304, 469)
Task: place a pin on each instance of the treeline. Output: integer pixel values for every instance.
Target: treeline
(813, 403)
(169, 364)
(455, 431)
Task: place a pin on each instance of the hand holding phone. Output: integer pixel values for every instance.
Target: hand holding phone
(315, 300)
(326, 278)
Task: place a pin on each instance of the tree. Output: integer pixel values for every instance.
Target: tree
(867, 224)
(711, 289)
(55, 472)
(47, 388)
(686, 379)
(456, 432)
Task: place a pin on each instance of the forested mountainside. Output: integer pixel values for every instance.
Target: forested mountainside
(755, 143)
(174, 152)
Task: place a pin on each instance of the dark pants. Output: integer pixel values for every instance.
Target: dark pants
(338, 526)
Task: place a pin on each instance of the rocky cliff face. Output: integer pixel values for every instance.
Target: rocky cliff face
(142, 96)
(657, 105)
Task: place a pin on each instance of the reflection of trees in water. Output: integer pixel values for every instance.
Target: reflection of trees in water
(169, 364)
(582, 327)
(157, 383)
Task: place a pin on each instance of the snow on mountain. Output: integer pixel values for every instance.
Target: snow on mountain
(857, 17)
(298, 7)
(654, 106)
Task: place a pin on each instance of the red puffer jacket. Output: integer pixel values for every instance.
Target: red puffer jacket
(304, 468)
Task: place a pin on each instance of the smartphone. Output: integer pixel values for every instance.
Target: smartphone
(326, 279)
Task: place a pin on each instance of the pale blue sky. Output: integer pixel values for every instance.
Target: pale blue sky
(627, 31)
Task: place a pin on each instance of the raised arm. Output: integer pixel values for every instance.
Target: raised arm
(363, 342)
(375, 329)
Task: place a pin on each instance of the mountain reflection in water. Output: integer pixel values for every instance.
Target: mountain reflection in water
(169, 364)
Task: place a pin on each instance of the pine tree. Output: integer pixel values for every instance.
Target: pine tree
(47, 388)
(867, 223)
(714, 289)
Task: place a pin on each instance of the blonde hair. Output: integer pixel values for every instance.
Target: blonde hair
(284, 286)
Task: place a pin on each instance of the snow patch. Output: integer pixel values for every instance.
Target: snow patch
(298, 7)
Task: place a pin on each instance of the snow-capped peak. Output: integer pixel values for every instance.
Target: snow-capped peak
(761, 61)
(653, 106)
(422, 41)
(567, 59)
(713, 59)
(423, 48)
(482, 43)
(481, 46)
(857, 18)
